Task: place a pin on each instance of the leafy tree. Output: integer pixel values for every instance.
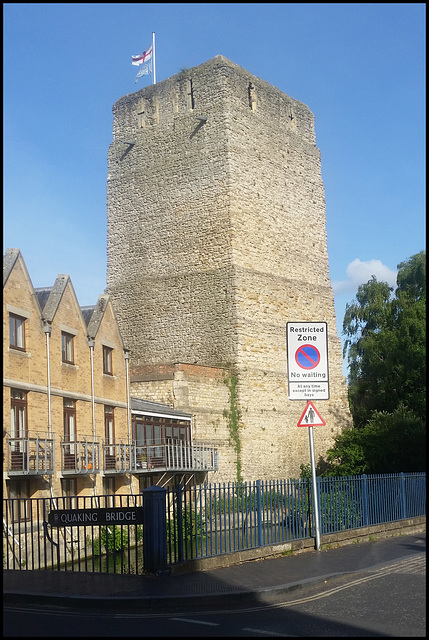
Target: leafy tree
(386, 349)
(386, 343)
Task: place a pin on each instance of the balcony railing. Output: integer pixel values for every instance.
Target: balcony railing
(31, 455)
(173, 455)
(80, 456)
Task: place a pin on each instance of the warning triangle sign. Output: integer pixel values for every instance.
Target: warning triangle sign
(311, 417)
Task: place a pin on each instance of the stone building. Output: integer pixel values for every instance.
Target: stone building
(216, 240)
(70, 425)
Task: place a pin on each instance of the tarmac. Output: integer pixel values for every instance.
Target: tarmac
(257, 581)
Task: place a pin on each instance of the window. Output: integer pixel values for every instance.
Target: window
(109, 428)
(155, 430)
(67, 347)
(19, 493)
(17, 332)
(18, 420)
(107, 360)
(69, 410)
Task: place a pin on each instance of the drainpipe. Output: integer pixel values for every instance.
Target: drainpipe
(91, 345)
(48, 330)
(127, 367)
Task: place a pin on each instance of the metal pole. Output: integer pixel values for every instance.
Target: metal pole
(127, 370)
(315, 496)
(91, 345)
(48, 329)
(153, 56)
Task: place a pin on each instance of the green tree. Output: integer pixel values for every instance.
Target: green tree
(386, 343)
(386, 348)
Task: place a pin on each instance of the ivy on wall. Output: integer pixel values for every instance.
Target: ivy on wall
(233, 415)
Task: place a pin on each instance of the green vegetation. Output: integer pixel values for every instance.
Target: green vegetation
(233, 415)
(193, 531)
(386, 349)
(112, 539)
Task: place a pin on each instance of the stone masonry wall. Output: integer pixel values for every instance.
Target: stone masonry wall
(216, 239)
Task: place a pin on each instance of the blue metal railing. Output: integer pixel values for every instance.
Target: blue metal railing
(223, 518)
(204, 520)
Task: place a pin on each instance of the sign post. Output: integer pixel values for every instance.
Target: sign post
(308, 378)
(315, 496)
(311, 418)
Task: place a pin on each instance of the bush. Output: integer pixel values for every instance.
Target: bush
(112, 539)
(193, 528)
(389, 443)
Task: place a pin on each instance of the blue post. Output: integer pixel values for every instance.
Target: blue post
(259, 511)
(365, 500)
(154, 529)
(404, 507)
(179, 522)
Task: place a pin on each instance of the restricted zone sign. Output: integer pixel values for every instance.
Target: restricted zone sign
(307, 360)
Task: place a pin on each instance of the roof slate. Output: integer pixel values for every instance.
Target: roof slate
(137, 404)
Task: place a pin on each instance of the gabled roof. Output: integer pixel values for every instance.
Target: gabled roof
(145, 406)
(49, 298)
(42, 295)
(9, 259)
(97, 315)
(87, 312)
(54, 298)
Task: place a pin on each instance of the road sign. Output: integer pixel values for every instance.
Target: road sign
(307, 360)
(311, 417)
(307, 356)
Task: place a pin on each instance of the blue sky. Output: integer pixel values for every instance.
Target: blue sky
(359, 67)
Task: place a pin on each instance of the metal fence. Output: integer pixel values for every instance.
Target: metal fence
(224, 518)
(31, 542)
(200, 521)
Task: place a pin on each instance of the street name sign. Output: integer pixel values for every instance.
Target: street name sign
(307, 360)
(94, 517)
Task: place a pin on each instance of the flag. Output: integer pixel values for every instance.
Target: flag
(143, 57)
(145, 70)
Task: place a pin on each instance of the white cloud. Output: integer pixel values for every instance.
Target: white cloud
(359, 272)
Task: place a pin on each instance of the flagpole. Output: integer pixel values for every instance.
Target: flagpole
(153, 54)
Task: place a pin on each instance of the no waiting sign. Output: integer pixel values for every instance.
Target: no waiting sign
(307, 360)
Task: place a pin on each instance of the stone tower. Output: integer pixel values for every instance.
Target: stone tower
(216, 239)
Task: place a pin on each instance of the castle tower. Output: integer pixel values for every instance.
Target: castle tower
(216, 239)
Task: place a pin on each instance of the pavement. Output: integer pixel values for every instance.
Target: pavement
(257, 581)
